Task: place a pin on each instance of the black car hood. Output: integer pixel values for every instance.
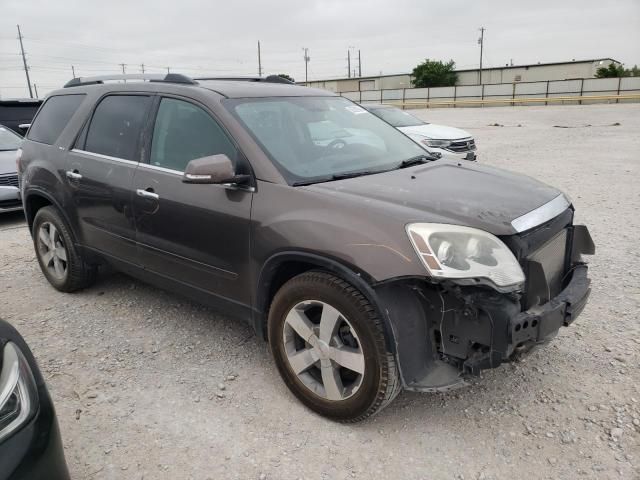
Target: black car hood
(449, 192)
(7, 161)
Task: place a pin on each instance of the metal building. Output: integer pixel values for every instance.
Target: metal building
(507, 74)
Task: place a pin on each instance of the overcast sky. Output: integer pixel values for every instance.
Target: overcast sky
(197, 37)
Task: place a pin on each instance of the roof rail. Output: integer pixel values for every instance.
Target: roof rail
(268, 79)
(151, 77)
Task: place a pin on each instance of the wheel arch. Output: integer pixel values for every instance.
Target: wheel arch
(35, 200)
(283, 266)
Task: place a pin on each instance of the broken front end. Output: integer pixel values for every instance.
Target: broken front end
(449, 326)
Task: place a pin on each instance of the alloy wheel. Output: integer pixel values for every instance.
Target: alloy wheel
(52, 251)
(323, 350)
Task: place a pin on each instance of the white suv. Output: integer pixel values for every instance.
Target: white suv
(450, 142)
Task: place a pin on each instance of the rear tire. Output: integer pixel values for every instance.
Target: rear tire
(59, 258)
(342, 369)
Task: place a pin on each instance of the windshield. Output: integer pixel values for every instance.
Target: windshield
(9, 140)
(314, 139)
(396, 117)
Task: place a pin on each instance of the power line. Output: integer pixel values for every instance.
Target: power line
(481, 42)
(259, 61)
(306, 64)
(24, 61)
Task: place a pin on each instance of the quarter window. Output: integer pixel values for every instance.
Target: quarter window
(184, 132)
(116, 126)
(53, 117)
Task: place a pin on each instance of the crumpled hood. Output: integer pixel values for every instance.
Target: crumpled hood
(440, 132)
(7, 162)
(446, 191)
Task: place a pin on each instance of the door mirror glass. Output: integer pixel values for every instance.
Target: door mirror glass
(211, 169)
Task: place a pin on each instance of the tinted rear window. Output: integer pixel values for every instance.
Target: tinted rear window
(116, 126)
(23, 113)
(53, 117)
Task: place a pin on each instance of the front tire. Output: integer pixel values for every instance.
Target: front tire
(59, 258)
(329, 346)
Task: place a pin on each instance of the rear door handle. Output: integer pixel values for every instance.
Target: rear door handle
(147, 194)
(73, 175)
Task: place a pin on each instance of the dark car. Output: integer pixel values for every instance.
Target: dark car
(367, 266)
(30, 444)
(17, 113)
(9, 192)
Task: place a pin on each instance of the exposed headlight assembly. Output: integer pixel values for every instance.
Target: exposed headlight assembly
(18, 391)
(431, 142)
(465, 253)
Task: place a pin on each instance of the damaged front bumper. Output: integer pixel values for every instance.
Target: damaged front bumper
(446, 333)
(512, 334)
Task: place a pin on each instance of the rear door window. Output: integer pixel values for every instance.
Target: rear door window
(116, 126)
(53, 117)
(184, 132)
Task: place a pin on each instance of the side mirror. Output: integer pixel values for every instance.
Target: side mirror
(23, 127)
(213, 169)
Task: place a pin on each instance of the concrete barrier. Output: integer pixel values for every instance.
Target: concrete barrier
(570, 92)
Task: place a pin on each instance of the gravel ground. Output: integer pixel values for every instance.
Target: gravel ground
(149, 385)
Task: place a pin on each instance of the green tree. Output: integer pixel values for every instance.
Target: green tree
(612, 71)
(432, 73)
(286, 77)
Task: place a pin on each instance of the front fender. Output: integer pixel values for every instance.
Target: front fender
(306, 261)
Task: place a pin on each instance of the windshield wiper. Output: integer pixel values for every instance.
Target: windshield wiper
(417, 160)
(342, 176)
(338, 176)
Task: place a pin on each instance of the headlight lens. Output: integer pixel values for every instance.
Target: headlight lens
(430, 142)
(18, 391)
(452, 251)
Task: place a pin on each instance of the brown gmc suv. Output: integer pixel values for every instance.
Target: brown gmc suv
(368, 266)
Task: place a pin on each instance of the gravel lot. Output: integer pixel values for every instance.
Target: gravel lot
(149, 385)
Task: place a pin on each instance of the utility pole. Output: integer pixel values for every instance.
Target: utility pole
(142, 67)
(35, 87)
(73, 71)
(259, 61)
(481, 42)
(168, 71)
(349, 63)
(306, 64)
(359, 65)
(123, 65)
(24, 62)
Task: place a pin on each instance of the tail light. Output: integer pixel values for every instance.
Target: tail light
(18, 158)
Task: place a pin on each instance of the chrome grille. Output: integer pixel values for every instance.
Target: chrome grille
(8, 180)
(552, 256)
(465, 145)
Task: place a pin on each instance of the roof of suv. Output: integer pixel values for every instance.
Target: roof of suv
(233, 87)
(244, 89)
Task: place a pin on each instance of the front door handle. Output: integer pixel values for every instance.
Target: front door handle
(73, 175)
(148, 193)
